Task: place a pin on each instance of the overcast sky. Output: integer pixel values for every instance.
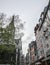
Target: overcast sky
(29, 11)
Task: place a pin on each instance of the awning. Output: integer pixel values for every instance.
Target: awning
(38, 63)
(45, 59)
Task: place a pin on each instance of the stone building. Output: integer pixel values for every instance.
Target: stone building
(27, 58)
(42, 33)
(22, 59)
(33, 51)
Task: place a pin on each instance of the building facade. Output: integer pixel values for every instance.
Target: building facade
(27, 59)
(33, 51)
(22, 59)
(42, 33)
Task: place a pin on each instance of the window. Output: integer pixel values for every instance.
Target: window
(42, 52)
(48, 25)
(47, 45)
(46, 37)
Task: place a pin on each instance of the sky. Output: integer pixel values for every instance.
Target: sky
(29, 11)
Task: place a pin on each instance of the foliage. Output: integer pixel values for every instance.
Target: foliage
(7, 47)
(19, 26)
(7, 52)
(7, 34)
